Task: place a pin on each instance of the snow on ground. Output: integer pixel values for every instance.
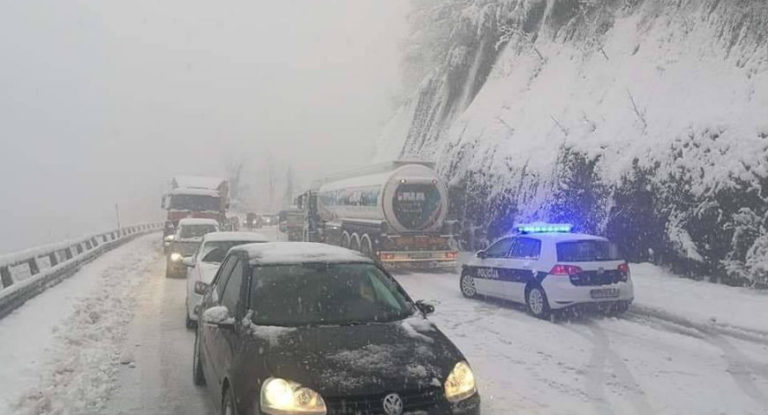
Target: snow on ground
(657, 290)
(595, 365)
(59, 349)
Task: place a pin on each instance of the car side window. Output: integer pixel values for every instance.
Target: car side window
(499, 249)
(232, 289)
(223, 275)
(526, 248)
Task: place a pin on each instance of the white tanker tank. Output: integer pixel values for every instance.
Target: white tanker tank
(408, 197)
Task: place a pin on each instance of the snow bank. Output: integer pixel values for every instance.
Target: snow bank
(656, 289)
(78, 369)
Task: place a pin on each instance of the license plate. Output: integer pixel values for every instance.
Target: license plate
(605, 293)
(420, 256)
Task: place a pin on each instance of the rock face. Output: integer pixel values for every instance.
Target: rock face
(644, 120)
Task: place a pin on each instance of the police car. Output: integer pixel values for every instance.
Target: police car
(548, 267)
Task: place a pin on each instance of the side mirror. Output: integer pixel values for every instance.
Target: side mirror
(481, 254)
(425, 308)
(188, 261)
(168, 238)
(219, 316)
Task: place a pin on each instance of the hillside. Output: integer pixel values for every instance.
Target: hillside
(645, 120)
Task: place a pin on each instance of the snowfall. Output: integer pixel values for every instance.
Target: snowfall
(111, 339)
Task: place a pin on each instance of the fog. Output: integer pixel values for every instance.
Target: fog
(102, 102)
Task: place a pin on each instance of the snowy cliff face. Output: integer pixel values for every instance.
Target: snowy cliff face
(645, 120)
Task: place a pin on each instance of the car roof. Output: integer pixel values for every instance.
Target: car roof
(198, 221)
(298, 253)
(235, 236)
(556, 237)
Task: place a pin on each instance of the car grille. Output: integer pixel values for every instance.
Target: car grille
(414, 400)
(592, 278)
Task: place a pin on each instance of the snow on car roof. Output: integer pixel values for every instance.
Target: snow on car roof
(235, 236)
(299, 252)
(198, 182)
(194, 191)
(198, 221)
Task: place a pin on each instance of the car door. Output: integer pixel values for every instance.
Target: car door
(211, 331)
(228, 339)
(487, 271)
(521, 267)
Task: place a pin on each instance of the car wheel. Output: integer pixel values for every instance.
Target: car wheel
(198, 377)
(618, 308)
(536, 301)
(467, 284)
(228, 403)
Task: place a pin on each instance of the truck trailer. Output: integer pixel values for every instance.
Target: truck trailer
(394, 212)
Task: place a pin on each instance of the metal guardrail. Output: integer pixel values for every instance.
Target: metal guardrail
(27, 273)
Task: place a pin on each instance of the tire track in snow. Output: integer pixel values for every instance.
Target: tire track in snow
(602, 358)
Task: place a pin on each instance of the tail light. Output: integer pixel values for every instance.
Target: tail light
(623, 272)
(386, 256)
(565, 270)
(451, 255)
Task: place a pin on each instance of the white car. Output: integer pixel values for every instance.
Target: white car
(185, 242)
(203, 265)
(549, 268)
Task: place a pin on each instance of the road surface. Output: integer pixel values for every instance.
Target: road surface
(133, 354)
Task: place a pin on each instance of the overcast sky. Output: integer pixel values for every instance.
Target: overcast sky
(101, 102)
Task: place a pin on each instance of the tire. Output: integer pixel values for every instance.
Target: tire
(228, 403)
(618, 308)
(366, 247)
(345, 240)
(467, 285)
(355, 243)
(198, 377)
(536, 302)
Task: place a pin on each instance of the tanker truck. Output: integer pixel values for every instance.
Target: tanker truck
(394, 212)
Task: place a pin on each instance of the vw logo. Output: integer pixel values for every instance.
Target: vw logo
(393, 404)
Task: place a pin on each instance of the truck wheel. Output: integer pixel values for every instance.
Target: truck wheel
(366, 247)
(345, 240)
(355, 243)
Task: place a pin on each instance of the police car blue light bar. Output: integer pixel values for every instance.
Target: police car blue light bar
(544, 228)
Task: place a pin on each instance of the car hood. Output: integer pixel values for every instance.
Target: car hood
(207, 271)
(358, 360)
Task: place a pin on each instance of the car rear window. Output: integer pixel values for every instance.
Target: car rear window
(589, 250)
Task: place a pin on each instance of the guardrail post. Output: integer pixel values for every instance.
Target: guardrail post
(33, 268)
(79, 248)
(68, 253)
(94, 242)
(5, 276)
(88, 245)
(53, 259)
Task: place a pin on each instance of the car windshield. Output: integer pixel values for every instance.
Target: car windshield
(196, 231)
(590, 250)
(325, 294)
(215, 251)
(197, 203)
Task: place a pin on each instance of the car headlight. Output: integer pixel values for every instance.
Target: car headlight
(460, 384)
(283, 397)
(176, 257)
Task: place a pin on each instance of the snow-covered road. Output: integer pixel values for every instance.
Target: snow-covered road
(593, 365)
(62, 351)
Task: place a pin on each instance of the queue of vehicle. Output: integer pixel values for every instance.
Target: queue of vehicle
(282, 327)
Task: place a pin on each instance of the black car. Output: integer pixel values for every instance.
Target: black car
(305, 328)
